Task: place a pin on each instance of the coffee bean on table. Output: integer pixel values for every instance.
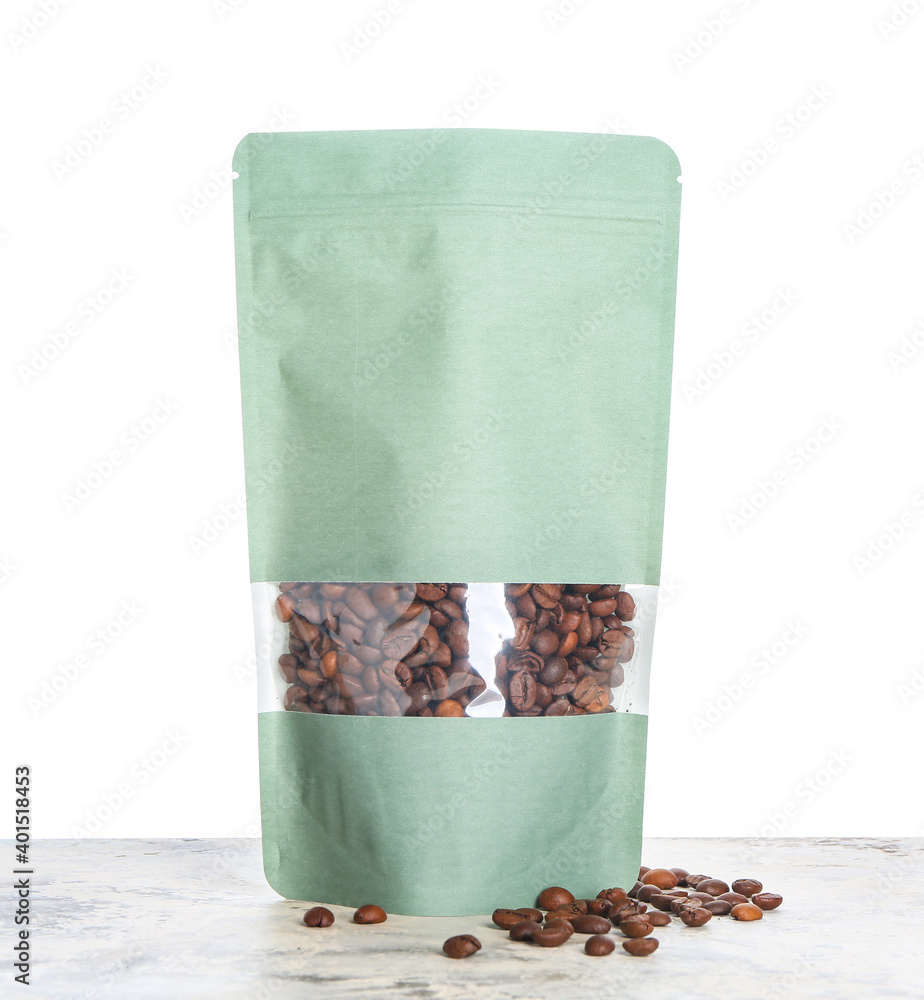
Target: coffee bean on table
(663, 878)
(733, 897)
(318, 916)
(661, 902)
(718, 907)
(588, 924)
(746, 886)
(627, 908)
(554, 897)
(714, 886)
(767, 900)
(747, 911)
(695, 916)
(614, 895)
(599, 944)
(640, 946)
(551, 937)
(598, 907)
(369, 914)
(461, 946)
(637, 926)
(657, 919)
(646, 892)
(559, 922)
(507, 918)
(523, 931)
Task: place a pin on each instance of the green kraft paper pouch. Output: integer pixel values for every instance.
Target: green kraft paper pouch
(455, 367)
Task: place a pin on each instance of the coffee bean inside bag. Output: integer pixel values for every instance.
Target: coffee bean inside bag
(455, 368)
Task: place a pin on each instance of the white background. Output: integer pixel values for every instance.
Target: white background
(154, 733)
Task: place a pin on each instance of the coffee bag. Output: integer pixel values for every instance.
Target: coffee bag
(455, 367)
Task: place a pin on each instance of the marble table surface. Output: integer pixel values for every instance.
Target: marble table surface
(170, 919)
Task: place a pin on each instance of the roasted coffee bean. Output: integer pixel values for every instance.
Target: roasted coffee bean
(449, 709)
(369, 914)
(679, 902)
(714, 886)
(554, 897)
(663, 878)
(646, 892)
(554, 670)
(598, 907)
(704, 896)
(681, 874)
(747, 911)
(569, 911)
(461, 946)
(588, 924)
(717, 907)
(558, 922)
(626, 908)
(599, 945)
(766, 900)
(636, 927)
(633, 892)
(386, 595)
(294, 695)
(657, 919)
(523, 931)
(694, 880)
(589, 695)
(318, 916)
(507, 918)
(288, 664)
(625, 606)
(285, 606)
(695, 916)
(521, 691)
(432, 592)
(640, 946)
(661, 902)
(551, 937)
(746, 886)
(733, 897)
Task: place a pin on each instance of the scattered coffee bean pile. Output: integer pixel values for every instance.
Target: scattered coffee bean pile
(695, 899)
(402, 649)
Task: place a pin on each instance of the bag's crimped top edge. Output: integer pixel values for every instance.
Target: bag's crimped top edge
(594, 167)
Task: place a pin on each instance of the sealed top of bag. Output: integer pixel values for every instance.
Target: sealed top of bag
(455, 353)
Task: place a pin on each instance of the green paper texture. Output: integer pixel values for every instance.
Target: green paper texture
(437, 817)
(456, 355)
